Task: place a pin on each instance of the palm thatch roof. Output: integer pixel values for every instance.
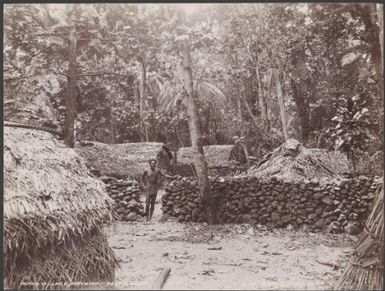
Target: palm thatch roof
(293, 161)
(51, 205)
(215, 155)
(127, 160)
(365, 270)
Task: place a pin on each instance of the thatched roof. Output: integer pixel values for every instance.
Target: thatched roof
(50, 198)
(44, 177)
(126, 160)
(129, 160)
(293, 161)
(216, 155)
(119, 160)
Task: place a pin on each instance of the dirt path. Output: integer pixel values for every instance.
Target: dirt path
(245, 257)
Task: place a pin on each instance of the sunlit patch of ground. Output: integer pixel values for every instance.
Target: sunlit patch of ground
(225, 256)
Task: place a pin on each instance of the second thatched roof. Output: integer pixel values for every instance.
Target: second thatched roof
(293, 161)
(215, 155)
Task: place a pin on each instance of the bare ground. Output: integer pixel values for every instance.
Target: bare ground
(244, 257)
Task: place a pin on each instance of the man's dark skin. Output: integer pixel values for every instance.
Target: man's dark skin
(151, 182)
(237, 154)
(165, 159)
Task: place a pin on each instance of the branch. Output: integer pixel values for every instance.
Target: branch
(31, 76)
(53, 34)
(253, 118)
(17, 78)
(60, 73)
(94, 74)
(320, 63)
(41, 51)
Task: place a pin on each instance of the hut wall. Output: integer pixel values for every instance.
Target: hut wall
(341, 204)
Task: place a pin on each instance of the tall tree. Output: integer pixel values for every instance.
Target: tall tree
(281, 101)
(196, 137)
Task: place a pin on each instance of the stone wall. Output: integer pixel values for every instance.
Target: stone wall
(126, 194)
(335, 205)
(187, 170)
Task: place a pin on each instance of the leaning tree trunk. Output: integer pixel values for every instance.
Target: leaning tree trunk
(281, 103)
(112, 138)
(261, 97)
(242, 121)
(253, 118)
(196, 139)
(70, 100)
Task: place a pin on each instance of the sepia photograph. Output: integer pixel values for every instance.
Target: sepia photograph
(193, 146)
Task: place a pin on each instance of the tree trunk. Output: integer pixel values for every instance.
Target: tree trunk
(71, 85)
(369, 15)
(242, 129)
(372, 17)
(261, 97)
(269, 97)
(302, 107)
(281, 103)
(254, 119)
(112, 129)
(353, 162)
(380, 14)
(142, 105)
(136, 92)
(196, 138)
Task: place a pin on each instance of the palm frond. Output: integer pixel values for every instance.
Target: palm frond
(171, 94)
(214, 96)
(154, 83)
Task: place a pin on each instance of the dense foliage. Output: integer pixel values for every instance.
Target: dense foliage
(263, 71)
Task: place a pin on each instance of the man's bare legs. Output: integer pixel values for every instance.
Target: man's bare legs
(147, 206)
(150, 206)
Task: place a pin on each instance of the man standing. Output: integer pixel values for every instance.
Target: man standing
(238, 155)
(151, 182)
(165, 159)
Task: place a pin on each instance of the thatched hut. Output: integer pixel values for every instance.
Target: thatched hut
(216, 157)
(365, 270)
(127, 160)
(293, 161)
(53, 214)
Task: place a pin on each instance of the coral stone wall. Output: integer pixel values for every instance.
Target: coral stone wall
(341, 205)
(126, 195)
